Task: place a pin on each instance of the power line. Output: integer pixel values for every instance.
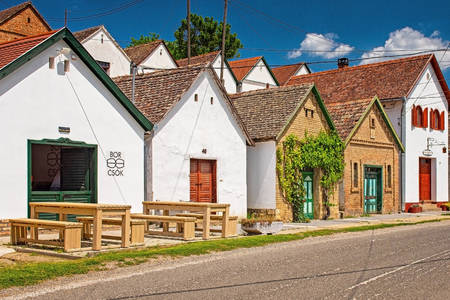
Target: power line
(108, 12)
(345, 51)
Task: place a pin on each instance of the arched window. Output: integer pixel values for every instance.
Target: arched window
(419, 117)
(436, 120)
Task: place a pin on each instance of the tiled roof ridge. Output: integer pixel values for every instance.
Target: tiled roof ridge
(160, 73)
(346, 101)
(145, 44)
(204, 54)
(386, 62)
(271, 90)
(245, 59)
(27, 38)
(290, 65)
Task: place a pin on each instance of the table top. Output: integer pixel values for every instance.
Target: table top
(186, 204)
(81, 205)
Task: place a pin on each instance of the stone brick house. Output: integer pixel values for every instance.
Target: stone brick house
(270, 115)
(416, 98)
(371, 175)
(20, 21)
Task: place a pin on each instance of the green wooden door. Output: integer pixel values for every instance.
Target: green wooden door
(62, 174)
(308, 205)
(372, 190)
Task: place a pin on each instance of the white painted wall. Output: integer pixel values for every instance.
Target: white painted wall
(257, 79)
(302, 71)
(229, 82)
(108, 52)
(160, 58)
(261, 175)
(35, 100)
(431, 96)
(190, 127)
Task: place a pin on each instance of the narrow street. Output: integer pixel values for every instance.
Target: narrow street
(402, 263)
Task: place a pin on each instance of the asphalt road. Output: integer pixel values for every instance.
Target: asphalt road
(399, 263)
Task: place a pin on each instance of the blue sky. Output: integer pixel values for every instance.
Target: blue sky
(337, 28)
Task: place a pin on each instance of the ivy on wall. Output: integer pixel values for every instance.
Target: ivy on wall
(324, 151)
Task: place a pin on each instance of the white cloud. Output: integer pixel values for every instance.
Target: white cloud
(321, 45)
(409, 39)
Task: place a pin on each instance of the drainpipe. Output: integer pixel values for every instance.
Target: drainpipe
(133, 73)
(403, 159)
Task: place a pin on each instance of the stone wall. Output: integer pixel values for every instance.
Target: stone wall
(25, 23)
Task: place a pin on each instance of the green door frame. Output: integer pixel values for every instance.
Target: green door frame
(304, 174)
(61, 142)
(380, 185)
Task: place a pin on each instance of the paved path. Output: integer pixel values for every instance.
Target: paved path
(402, 263)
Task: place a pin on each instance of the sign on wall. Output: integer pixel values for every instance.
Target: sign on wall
(115, 163)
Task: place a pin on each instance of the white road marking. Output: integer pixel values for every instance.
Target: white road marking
(396, 270)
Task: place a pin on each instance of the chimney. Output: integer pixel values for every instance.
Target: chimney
(342, 62)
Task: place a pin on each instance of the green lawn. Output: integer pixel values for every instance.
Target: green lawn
(32, 273)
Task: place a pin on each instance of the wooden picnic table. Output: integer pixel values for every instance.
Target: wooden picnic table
(98, 211)
(202, 207)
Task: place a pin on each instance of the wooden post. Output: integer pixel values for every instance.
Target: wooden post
(223, 41)
(225, 217)
(189, 31)
(206, 222)
(126, 229)
(34, 215)
(165, 224)
(97, 234)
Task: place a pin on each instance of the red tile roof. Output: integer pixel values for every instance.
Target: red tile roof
(266, 112)
(140, 52)
(346, 114)
(284, 73)
(388, 80)
(9, 13)
(204, 59)
(10, 51)
(241, 67)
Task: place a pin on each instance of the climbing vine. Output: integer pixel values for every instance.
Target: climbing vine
(324, 151)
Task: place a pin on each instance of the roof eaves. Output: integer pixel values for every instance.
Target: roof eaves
(270, 71)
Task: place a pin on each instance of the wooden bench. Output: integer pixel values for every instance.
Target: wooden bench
(71, 233)
(137, 229)
(215, 220)
(185, 225)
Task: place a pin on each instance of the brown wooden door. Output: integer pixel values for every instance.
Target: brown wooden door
(203, 180)
(424, 179)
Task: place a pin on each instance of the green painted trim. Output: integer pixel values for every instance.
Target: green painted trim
(61, 142)
(231, 71)
(385, 118)
(382, 185)
(67, 36)
(323, 108)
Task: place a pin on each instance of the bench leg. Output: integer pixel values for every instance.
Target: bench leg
(72, 239)
(137, 234)
(86, 230)
(13, 235)
(126, 229)
(188, 230)
(206, 222)
(165, 224)
(225, 222)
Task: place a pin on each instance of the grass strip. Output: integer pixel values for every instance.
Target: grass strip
(32, 273)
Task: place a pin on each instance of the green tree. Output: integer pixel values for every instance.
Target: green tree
(206, 36)
(144, 39)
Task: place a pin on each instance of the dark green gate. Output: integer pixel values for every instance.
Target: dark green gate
(61, 171)
(373, 189)
(308, 205)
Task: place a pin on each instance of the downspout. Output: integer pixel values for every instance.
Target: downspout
(403, 159)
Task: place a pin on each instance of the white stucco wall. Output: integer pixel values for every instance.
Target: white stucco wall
(302, 71)
(257, 79)
(108, 52)
(415, 140)
(160, 59)
(261, 175)
(189, 128)
(229, 82)
(35, 100)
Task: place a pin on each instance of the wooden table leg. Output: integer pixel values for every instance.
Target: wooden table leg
(126, 229)
(165, 224)
(206, 222)
(62, 217)
(97, 234)
(34, 215)
(225, 216)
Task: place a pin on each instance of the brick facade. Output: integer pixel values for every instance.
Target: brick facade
(298, 126)
(25, 23)
(374, 146)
